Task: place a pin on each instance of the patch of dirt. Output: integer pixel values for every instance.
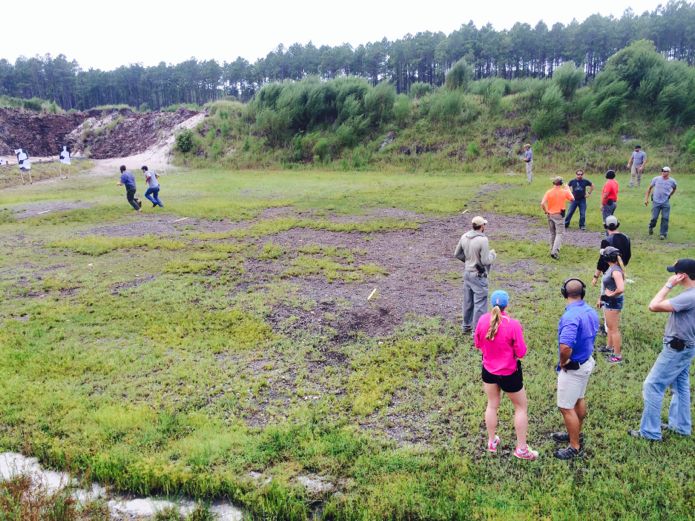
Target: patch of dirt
(39, 134)
(117, 136)
(423, 278)
(118, 288)
(25, 211)
(159, 224)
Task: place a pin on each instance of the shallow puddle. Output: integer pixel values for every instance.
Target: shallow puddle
(121, 508)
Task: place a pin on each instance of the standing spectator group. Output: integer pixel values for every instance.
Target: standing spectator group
(500, 338)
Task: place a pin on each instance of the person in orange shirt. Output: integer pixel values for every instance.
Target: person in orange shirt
(553, 204)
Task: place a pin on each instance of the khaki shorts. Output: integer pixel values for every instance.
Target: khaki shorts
(571, 384)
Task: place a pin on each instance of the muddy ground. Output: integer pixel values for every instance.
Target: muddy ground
(422, 276)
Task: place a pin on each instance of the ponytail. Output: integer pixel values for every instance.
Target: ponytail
(622, 266)
(495, 319)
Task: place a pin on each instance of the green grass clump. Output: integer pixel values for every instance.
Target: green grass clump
(383, 369)
(96, 245)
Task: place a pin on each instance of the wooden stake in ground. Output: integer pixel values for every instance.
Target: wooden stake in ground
(373, 295)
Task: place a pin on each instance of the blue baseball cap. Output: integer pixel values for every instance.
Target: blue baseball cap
(500, 298)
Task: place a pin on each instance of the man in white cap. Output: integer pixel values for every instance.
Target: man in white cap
(474, 250)
(663, 187)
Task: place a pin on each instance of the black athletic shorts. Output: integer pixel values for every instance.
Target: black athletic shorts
(511, 383)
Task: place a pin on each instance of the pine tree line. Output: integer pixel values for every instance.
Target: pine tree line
(522, 51)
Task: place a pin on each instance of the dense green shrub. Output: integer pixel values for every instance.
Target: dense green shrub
(420, 89)
(551, 116)
(401, 110)
(459, 75)
(568, 78)
(185, 141)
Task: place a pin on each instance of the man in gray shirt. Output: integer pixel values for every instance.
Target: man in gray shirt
(527, 158)
(474, 250)
(672, 367)
(663, 187)
(636, 164)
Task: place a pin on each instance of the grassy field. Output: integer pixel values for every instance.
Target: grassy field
(223, 346)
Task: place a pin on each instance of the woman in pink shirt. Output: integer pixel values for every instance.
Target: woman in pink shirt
(501, 340)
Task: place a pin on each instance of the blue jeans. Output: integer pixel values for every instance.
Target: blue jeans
(577, 203)
(665, 209)
(153, 195)
(608, 209)
(671, 369)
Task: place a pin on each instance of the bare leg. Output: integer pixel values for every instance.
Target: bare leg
(613, 325)
(573, 424)
(520, 417)
(493, 403)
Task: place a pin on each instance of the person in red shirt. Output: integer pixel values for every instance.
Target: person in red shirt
(609, 195)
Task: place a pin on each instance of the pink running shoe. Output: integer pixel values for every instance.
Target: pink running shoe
(492, 445)
(527, 453)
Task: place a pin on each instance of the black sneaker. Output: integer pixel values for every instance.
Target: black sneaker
(662, 237)
(555, 256)
(604, 349)
(568, 453)
(565, 437)
(583, 228)
(651, 231)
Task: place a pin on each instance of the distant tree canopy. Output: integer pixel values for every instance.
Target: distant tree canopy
(423, 59)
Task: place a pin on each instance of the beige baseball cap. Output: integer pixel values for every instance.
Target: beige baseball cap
(479, 220)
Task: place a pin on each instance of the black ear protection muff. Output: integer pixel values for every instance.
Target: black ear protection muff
(563, 289)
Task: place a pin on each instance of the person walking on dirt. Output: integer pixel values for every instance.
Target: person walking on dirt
(24, 164)
(663, 187)
(612, 301)
(581, 189)
(609, 195)
(500, 338)
(553, 204)
(128, 180)
(474, 250)
(152, 192)
(636, 164)
(527, 158)
(672, 366)
(576, 333)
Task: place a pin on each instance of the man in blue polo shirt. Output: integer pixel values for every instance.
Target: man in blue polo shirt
(576, 333)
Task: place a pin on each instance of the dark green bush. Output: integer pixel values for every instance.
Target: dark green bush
(185, 141)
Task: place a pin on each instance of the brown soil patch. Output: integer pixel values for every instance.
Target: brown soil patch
(423, 278)
(46, 207)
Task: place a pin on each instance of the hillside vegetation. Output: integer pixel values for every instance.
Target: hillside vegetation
(464, 125)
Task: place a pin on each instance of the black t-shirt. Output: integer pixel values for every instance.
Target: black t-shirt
(579, 187)
(617, 240)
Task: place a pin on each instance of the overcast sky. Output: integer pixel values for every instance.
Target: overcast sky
(106, 35)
